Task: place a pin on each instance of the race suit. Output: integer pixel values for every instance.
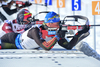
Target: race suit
(11, 26)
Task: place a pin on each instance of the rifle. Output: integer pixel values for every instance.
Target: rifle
(62, 22)
(75, 27)
(63, 26)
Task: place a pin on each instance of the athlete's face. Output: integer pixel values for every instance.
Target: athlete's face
(53, 25)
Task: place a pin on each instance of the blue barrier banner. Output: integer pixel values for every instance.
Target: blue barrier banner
(76, 5)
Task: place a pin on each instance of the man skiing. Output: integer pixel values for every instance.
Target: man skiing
(42, 36)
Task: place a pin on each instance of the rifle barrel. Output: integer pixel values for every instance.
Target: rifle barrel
(94, 25)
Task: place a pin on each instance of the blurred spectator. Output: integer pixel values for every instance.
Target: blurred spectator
(2, 17)
(6, 8)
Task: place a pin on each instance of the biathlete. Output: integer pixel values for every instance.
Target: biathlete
(42, 36)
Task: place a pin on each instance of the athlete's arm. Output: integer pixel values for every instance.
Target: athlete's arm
(77, 38)
(68, 45)
(35, 34)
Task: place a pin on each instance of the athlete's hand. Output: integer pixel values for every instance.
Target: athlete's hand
(61, 34)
